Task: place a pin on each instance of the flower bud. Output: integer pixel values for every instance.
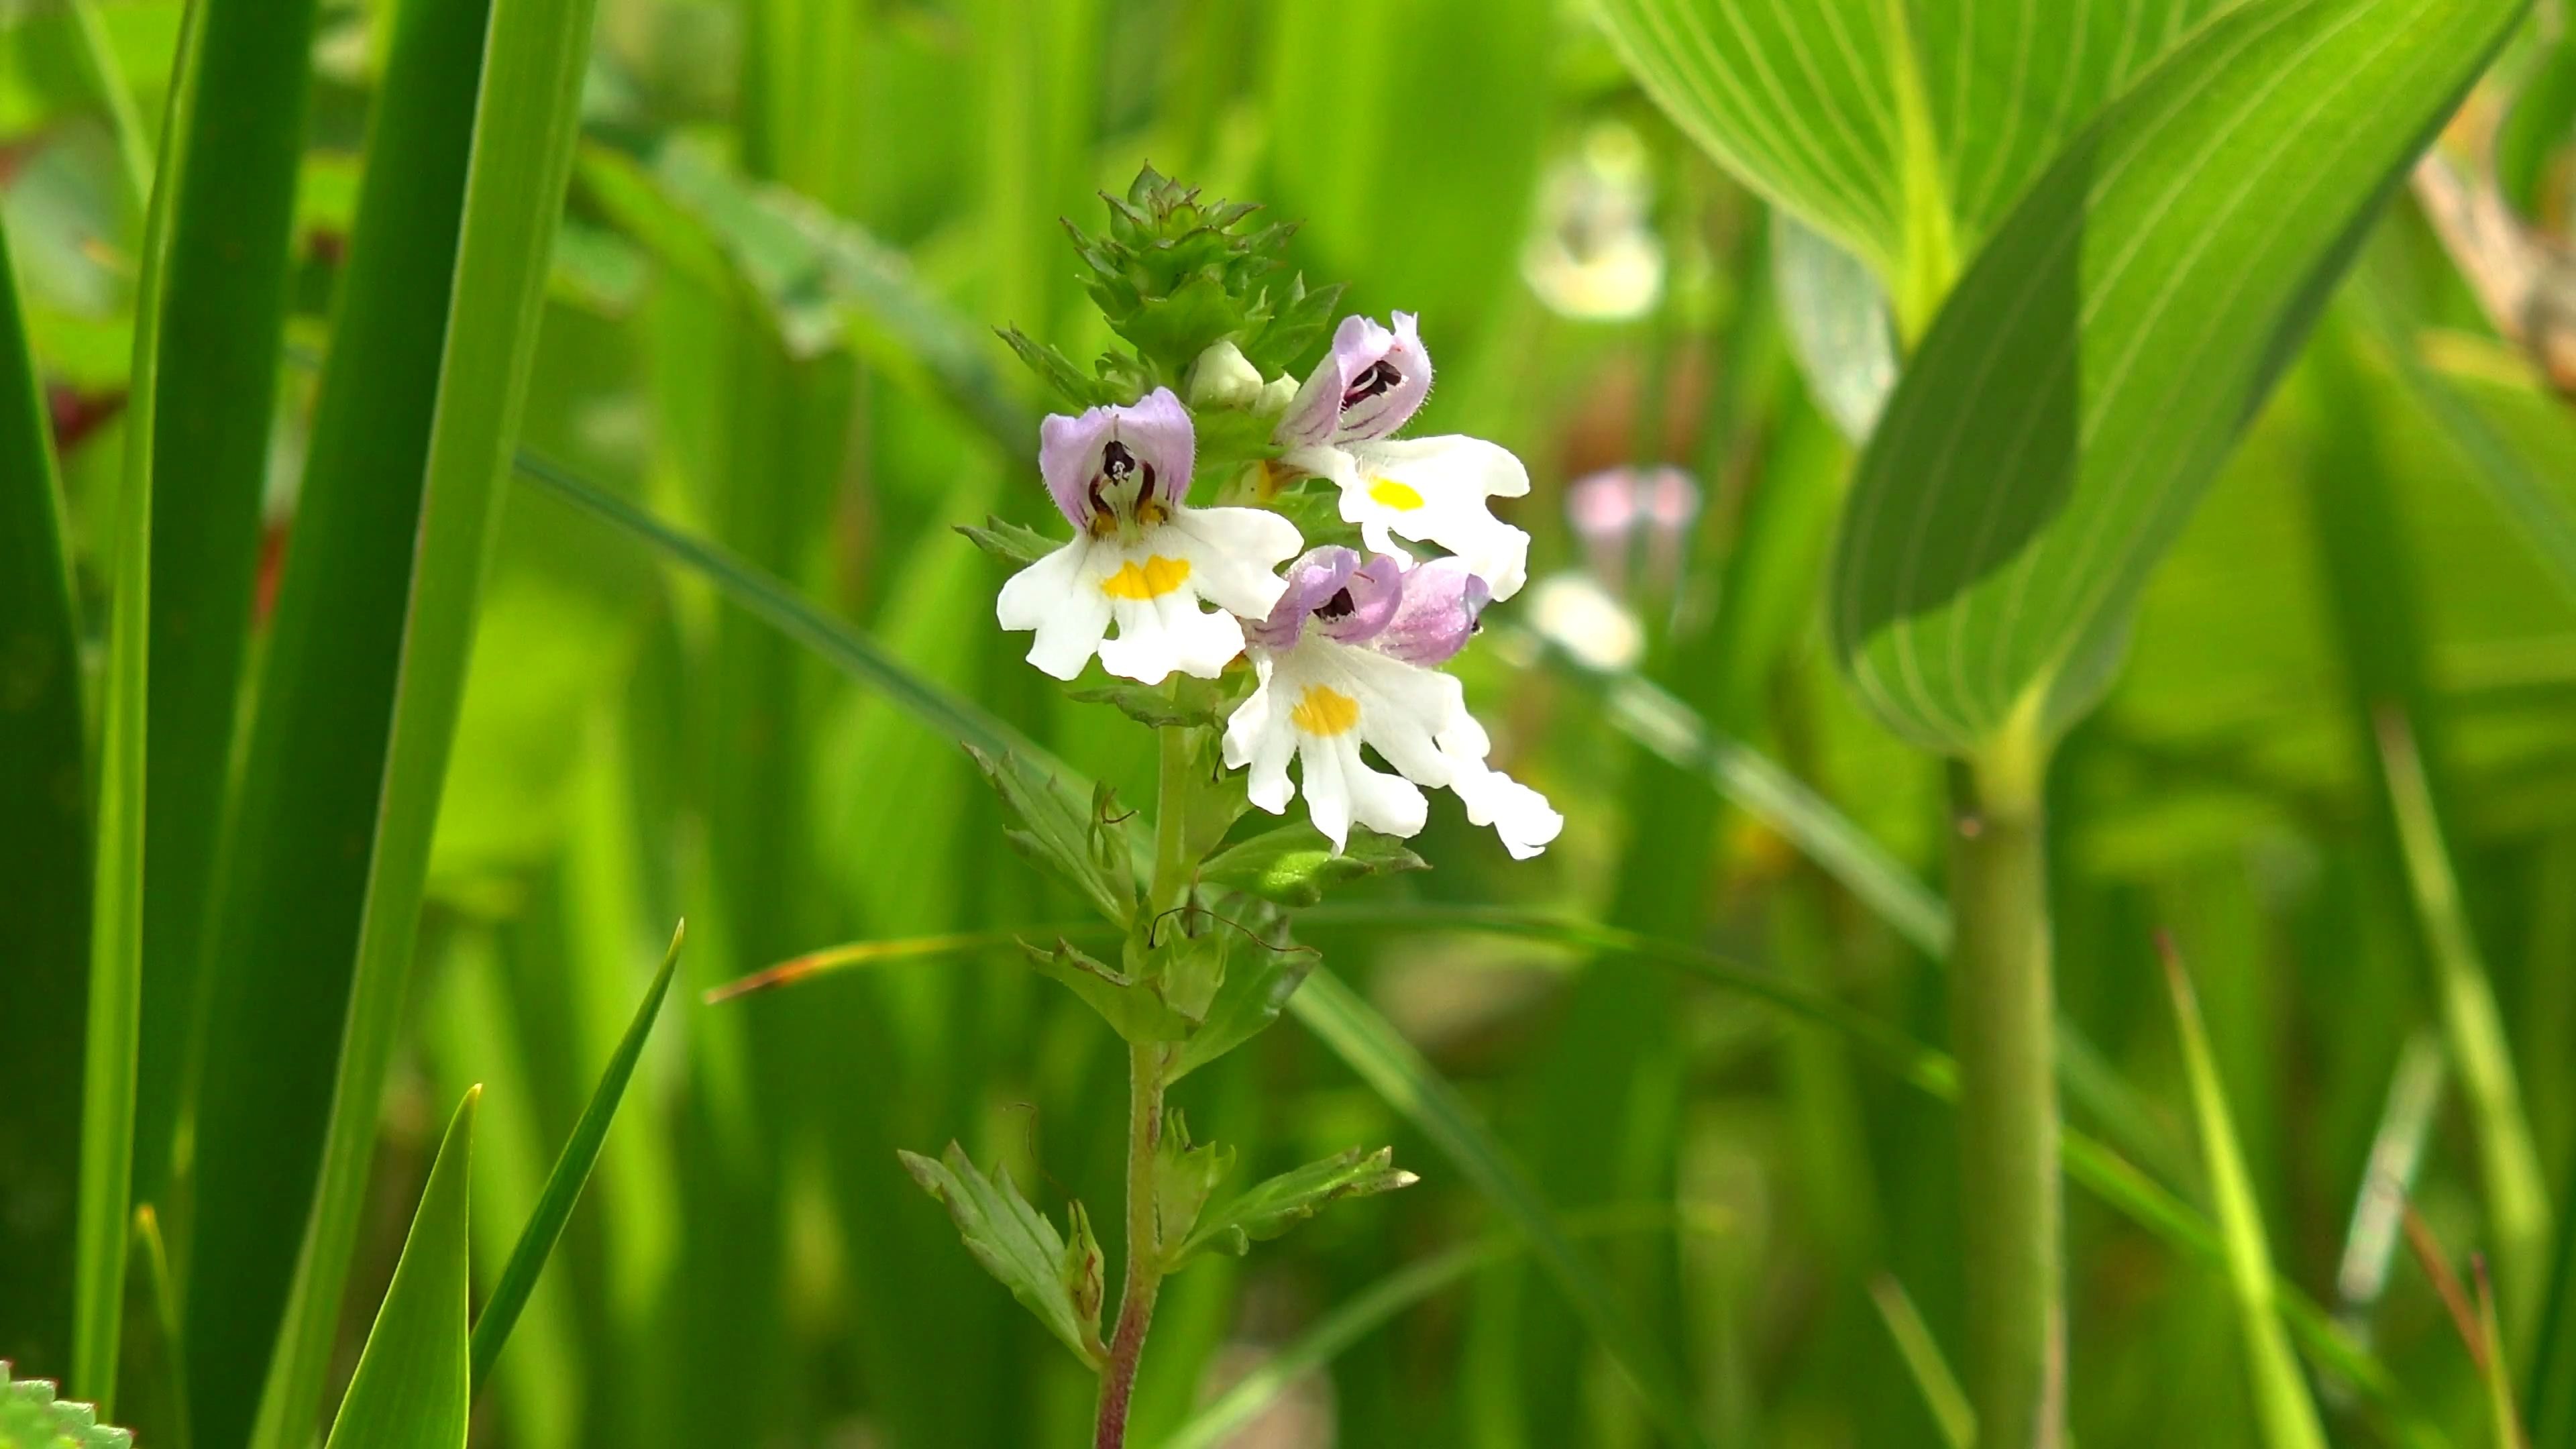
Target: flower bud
(1224, 378)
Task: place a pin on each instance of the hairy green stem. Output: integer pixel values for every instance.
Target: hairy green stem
(1147, 1069)
(2001, 1005)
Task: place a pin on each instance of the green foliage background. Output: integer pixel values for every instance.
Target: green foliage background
(1696, 1030)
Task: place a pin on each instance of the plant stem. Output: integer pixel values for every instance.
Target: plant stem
(2001, 1005)
(1146, 1066)
(1144, 1246)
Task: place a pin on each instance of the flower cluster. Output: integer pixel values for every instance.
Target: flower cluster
(1346, 646)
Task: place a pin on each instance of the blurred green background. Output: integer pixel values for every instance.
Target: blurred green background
(791, 225)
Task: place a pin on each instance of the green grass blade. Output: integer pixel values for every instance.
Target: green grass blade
(2549, 1405)
(526, 119)
(151, 1390)
(1372, 1308)
(296, 869)
(124, 119)
(571, 1172)
(410, 1390)
(782, 608)
(2091, 371)
(2517, 1194)
(44, 865)
(1370, 1046)
(1942, 1396)
(223, 312)
(117, 888)
(2288, 1414)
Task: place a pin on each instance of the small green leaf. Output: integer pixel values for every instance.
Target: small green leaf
(1294, 865)
(1187, 703)
(412, 1390)
(1009, 541)
(1184, 1178)
(1253, 994)
(1058, 371)
(1057, 1281)
(1188, 970)
(1267, 1209)
(1087, 848)
(1130, 1006)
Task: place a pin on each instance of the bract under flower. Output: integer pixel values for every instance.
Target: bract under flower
(1431, 490)
(1340, 670)
(1141, 558)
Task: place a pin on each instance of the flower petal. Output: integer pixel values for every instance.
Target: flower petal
(1434, 490)
(1312, 582)
(1155, 448)
(1233, 554)
(1058, 596)
(1519, 814)
(1436, 613)
(1370, 384)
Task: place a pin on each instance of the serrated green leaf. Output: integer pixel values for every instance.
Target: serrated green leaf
(1020, 1248)
(1064, 837)
(1258, 982)
(1010, 541)
(32, 1418)
(2090, 372)
(1269, 1208)
(1058, 372)
(1185, 1176)
(412, 1389)
(1130, 1006)
(1188, 703)
(1295, 864)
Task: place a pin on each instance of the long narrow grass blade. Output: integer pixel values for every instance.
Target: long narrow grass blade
(1368, 1044)
(44, 864)
(2549, 1405)
(1942, 1396)
(2288, 1415)
(296, 866)
(124, 118)
(116, 929)
(780, 606)
(527, 117)
(2509, 1162)
(2379, 1210)
(410, 1389)
(571, 1172)
(2498, 1371)
(222, 314)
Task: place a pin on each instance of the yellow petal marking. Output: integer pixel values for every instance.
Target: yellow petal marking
(1322, 711)
(1158, 577)
(1395, 495)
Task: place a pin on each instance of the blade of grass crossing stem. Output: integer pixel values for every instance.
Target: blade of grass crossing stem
(571, 1172)
(527, 117)
(116, 922)
(2287, 1414)
(222, 314)
(295, 877)
(150, 1392)
(44, 864)
(2111, 1177)
(1371, 1047)
(410, 1390)
(1372, 1308)
(1942, 1397)
(2509, 1164)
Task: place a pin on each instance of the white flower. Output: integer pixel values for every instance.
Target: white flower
(1345, 661)
(1429, 489)
(1139, 557)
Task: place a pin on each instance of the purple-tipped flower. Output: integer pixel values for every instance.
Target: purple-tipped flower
(1141, 558)
(1345, 660)
(1371, 384)
(1429, 489)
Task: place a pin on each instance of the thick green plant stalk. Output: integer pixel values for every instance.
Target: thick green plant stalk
(2001, 1006)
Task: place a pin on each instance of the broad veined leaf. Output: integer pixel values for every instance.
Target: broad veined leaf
(1903, 129)
(2091, 371)
(411, 1390)
(1056, 1277)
